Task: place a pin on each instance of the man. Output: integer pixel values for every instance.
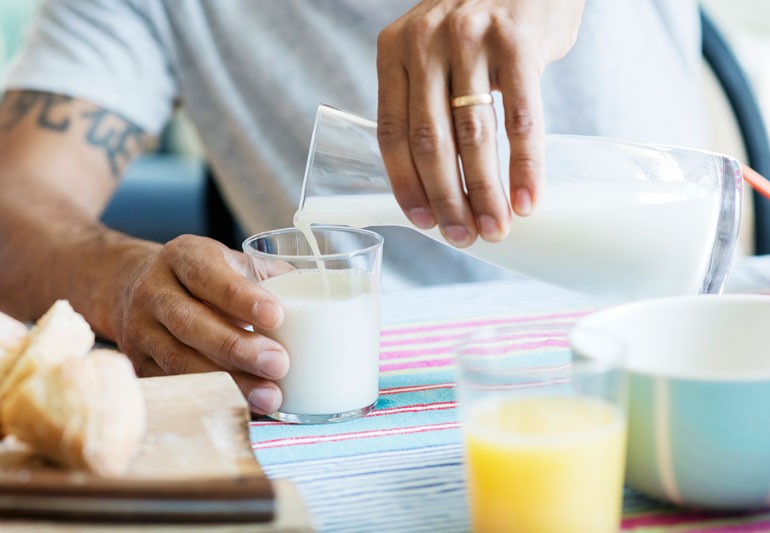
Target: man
(99, 78)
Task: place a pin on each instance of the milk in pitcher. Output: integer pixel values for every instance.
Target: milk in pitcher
(616, 240)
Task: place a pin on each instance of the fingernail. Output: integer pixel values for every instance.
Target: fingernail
(267, 314)
(490, 229)
(522, 202)
(272, 364)
(456, 235)
(422, 217)
(264, 400)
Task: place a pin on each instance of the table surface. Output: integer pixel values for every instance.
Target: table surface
(401, 467)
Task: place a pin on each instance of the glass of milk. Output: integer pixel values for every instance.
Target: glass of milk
(545, 435)
(331, 330)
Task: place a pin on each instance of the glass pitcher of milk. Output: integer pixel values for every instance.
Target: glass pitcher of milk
(616, 220)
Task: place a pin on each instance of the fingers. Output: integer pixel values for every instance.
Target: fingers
(195, 325)
(435, 157)
(475, 128)
(393, 134)
(416, 134)
(204, 271)
(524, 126)
(162, 354)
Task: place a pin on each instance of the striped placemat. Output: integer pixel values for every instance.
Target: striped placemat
(401, 467)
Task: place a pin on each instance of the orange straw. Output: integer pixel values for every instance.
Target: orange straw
(758, 182)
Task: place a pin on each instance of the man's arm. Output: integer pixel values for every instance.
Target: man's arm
(60, 162)
(173, 308)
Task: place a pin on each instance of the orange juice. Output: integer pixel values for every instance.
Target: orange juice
(545, 464)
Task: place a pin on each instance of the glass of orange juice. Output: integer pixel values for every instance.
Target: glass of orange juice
(545, 433)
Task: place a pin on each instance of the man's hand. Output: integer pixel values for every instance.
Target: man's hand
(184, 310)
(443, 49)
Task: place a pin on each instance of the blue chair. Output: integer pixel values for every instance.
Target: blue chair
(737, 88)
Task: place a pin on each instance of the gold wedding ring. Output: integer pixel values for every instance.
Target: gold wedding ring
(471, 99)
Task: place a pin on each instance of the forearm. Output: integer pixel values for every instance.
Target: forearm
(50, 249)
(60, 161)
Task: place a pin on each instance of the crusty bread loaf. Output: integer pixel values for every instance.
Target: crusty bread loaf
(86, 413)
(60, 333)
(13, 340)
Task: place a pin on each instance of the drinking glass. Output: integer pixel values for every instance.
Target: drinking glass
(331, 327)
(544, 434)
(616, 220)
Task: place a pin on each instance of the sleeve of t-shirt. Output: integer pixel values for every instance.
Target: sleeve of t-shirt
(106, 52)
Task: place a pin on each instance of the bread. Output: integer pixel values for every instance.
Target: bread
(13, 340)
(86, 413)
(60, 333)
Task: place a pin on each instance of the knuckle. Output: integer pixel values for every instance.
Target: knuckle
(483, 188)
(467, 26)
(420, 30)
(504, 28)
(391, 129)
(443, 200)
(519, 120)
(526, 165)
(177, 251)
(143, 287)
(233, 350)
(471, 131)
(180, 317)
(195, 272)
(173, 247)
(173, 362)
(387, 37)
(427, 139)
(230, 292)
(144, 366)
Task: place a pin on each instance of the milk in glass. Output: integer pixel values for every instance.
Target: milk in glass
(331, 331)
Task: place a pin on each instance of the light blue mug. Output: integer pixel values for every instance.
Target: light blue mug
(699, 395)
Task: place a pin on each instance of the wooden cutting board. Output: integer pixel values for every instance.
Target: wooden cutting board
(196, 465)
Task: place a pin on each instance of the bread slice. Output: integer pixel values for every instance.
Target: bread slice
(13, 340)
(59, 334)
(86, 413)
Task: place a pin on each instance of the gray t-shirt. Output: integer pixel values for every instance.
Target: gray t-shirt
(251, 73)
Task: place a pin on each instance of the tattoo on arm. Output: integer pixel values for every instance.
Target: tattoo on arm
(112, 137)
(118, 138)
(27, 101)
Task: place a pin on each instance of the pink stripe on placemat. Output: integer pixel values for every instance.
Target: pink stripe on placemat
(446, 338)
(763, 525)
(431, 363)
(479, 323)
(548, 343)
(314, 439)
(437, 406)
(631, 523)
(417, 388)
(658, 520)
